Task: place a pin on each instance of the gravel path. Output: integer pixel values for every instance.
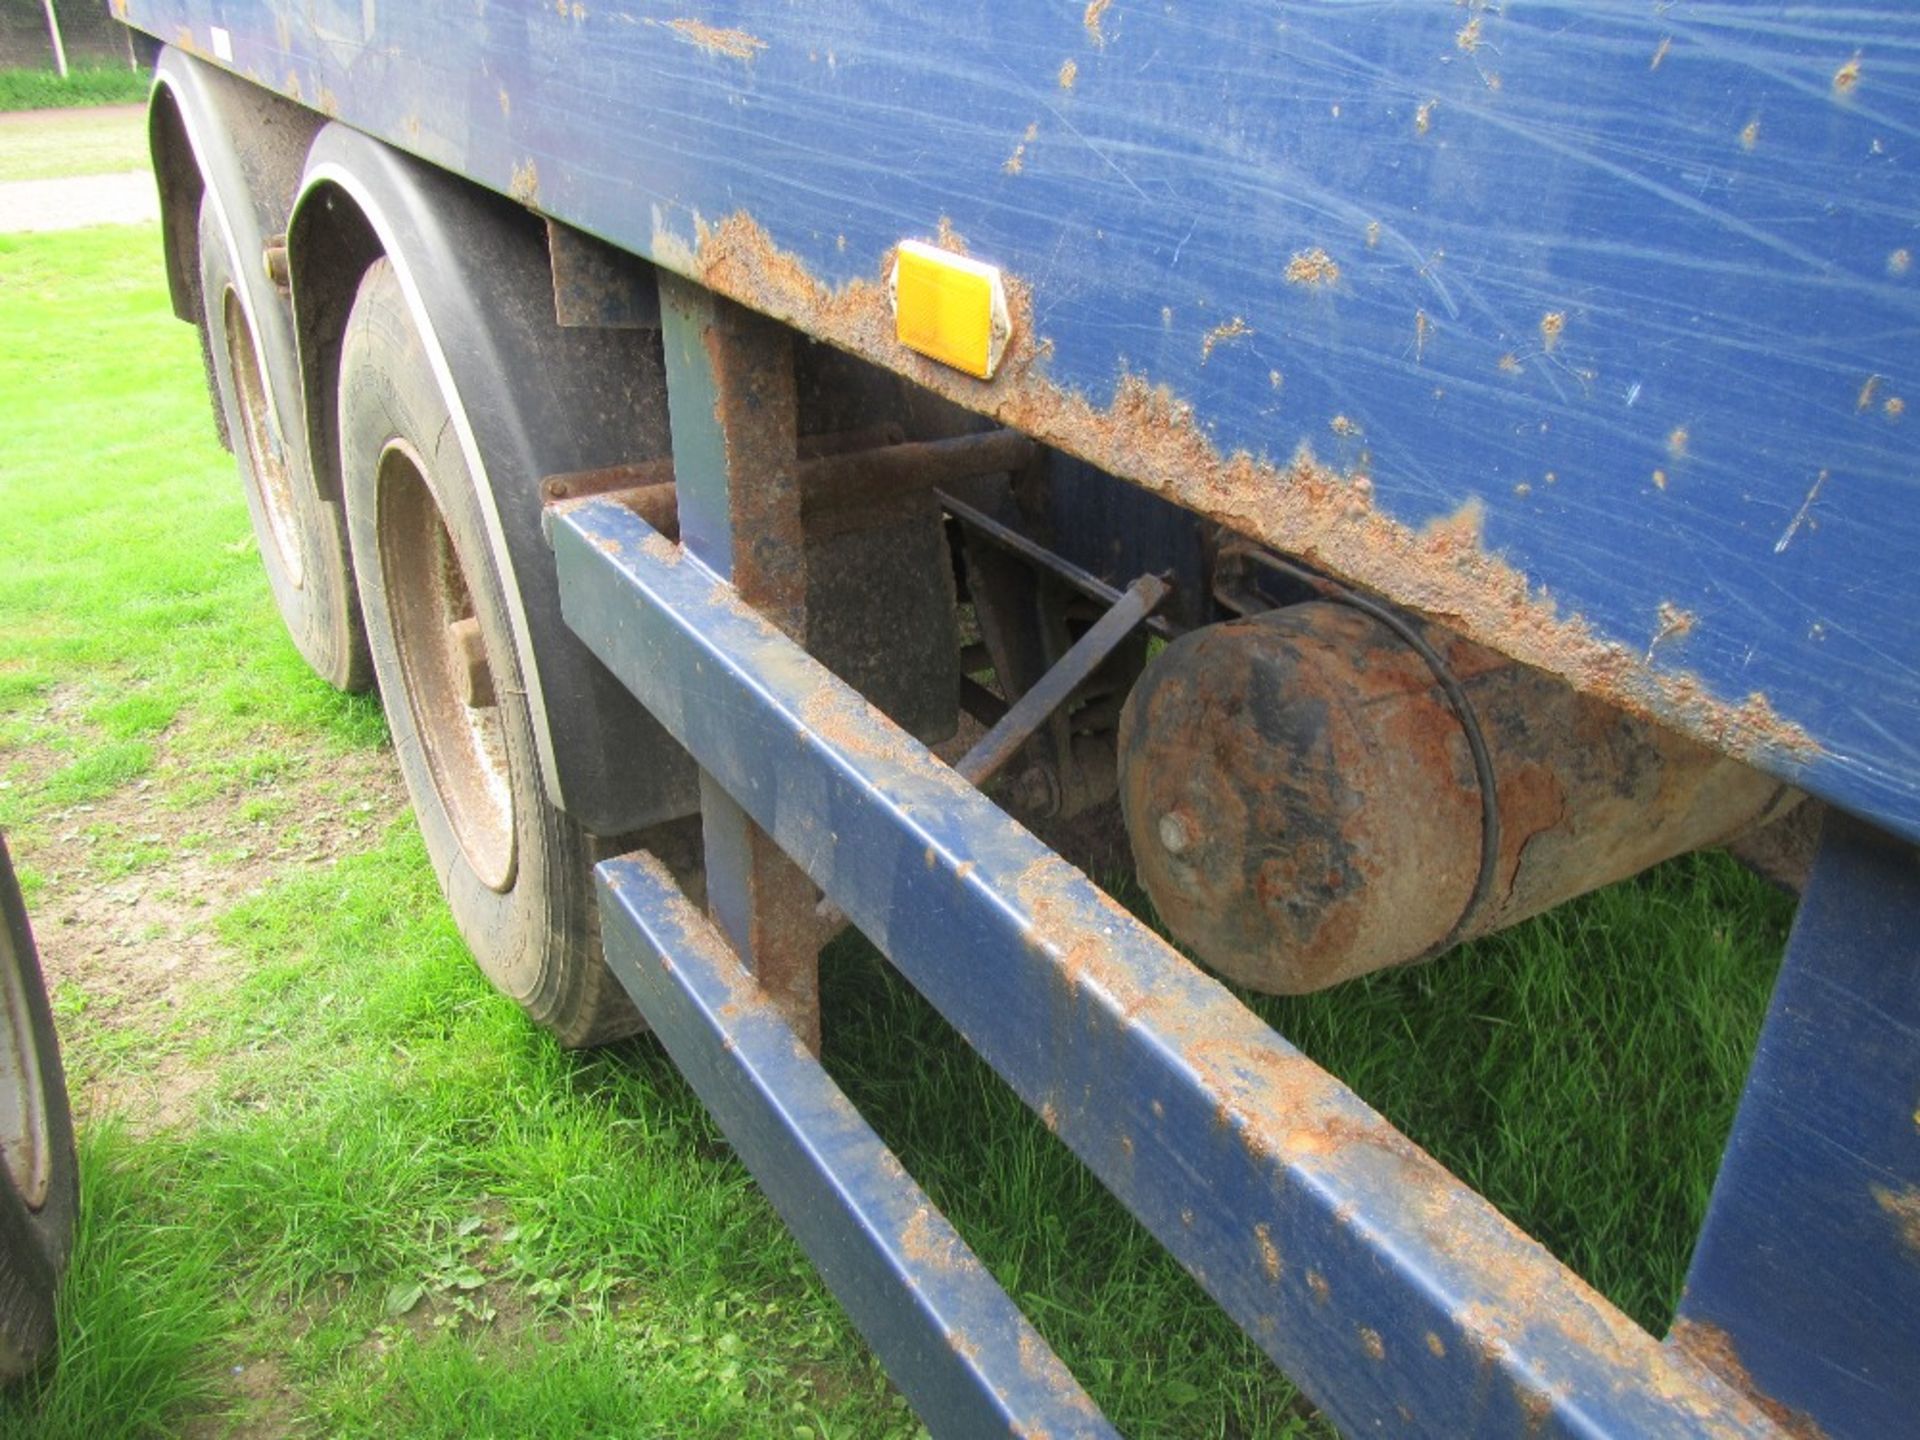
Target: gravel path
(128, 198)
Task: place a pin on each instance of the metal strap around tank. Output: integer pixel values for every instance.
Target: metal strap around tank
(1391, 1292)
(959, 1349)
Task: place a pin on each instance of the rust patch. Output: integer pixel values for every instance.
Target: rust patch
(524, 184)
(1269, 1252)
(1301, 506)
(733, 44)
(1660, 52)
(1677, 442)
(1864, 400)
(1899, 262)
(1750, 134)
(1847, 78)
(850, 723)
(949, 238)
(1552, 326)
(1714, 1348)
(1234, 329)
(925, 1243)
(1436, 1345)
(1317, 1283)
(1069, 72)
(1510, 364)
(1468, 38)
(1095, 12)
(1343, 427)
(1423, 117)
(1894, 408)
(1422, 330)
(1904, 1208)
(1373, 235)
(1371, 1342)
(1312, 267)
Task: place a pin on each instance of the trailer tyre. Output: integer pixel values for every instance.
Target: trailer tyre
(302, 539)
(516, 870)
(39, 1190)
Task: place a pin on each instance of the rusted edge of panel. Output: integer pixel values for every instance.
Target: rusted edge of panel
(1714, 1348)
(1302, 506)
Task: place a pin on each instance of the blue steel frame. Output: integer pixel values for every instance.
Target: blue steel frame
(1388, 1290)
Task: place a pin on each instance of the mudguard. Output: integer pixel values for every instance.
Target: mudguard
(242, 147)
(529, 399)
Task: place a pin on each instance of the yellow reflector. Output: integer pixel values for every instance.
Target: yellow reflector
(950, 308)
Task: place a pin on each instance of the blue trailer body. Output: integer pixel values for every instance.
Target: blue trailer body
(1588, 327)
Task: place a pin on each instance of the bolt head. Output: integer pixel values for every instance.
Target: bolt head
(1176, 833)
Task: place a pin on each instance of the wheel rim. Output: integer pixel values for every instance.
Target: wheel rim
(266, 457)
(23, 1101)
(445, 670)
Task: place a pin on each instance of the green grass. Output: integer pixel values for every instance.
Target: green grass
(395, 1209)
(73, 142)
(84, 85)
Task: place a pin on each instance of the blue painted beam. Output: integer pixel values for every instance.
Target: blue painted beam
(1805, 1283)
(1389, 1291)
(953, 1342)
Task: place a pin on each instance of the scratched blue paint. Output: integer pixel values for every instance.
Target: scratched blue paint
(1715, 198)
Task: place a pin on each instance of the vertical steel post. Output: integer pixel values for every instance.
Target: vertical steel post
(1805, 1283)
(734, 411)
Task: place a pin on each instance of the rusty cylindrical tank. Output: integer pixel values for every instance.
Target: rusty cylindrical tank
(1304, 804)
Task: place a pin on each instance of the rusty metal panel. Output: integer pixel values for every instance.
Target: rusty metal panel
(1585, 325)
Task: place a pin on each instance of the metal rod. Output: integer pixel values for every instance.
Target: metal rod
(1007, 538)
(839, 471)
(1056, 687)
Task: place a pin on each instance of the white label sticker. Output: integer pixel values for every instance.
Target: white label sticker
(222, 45)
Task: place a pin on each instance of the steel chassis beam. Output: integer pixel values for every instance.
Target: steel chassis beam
(734, 410)
(1392, 1293)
